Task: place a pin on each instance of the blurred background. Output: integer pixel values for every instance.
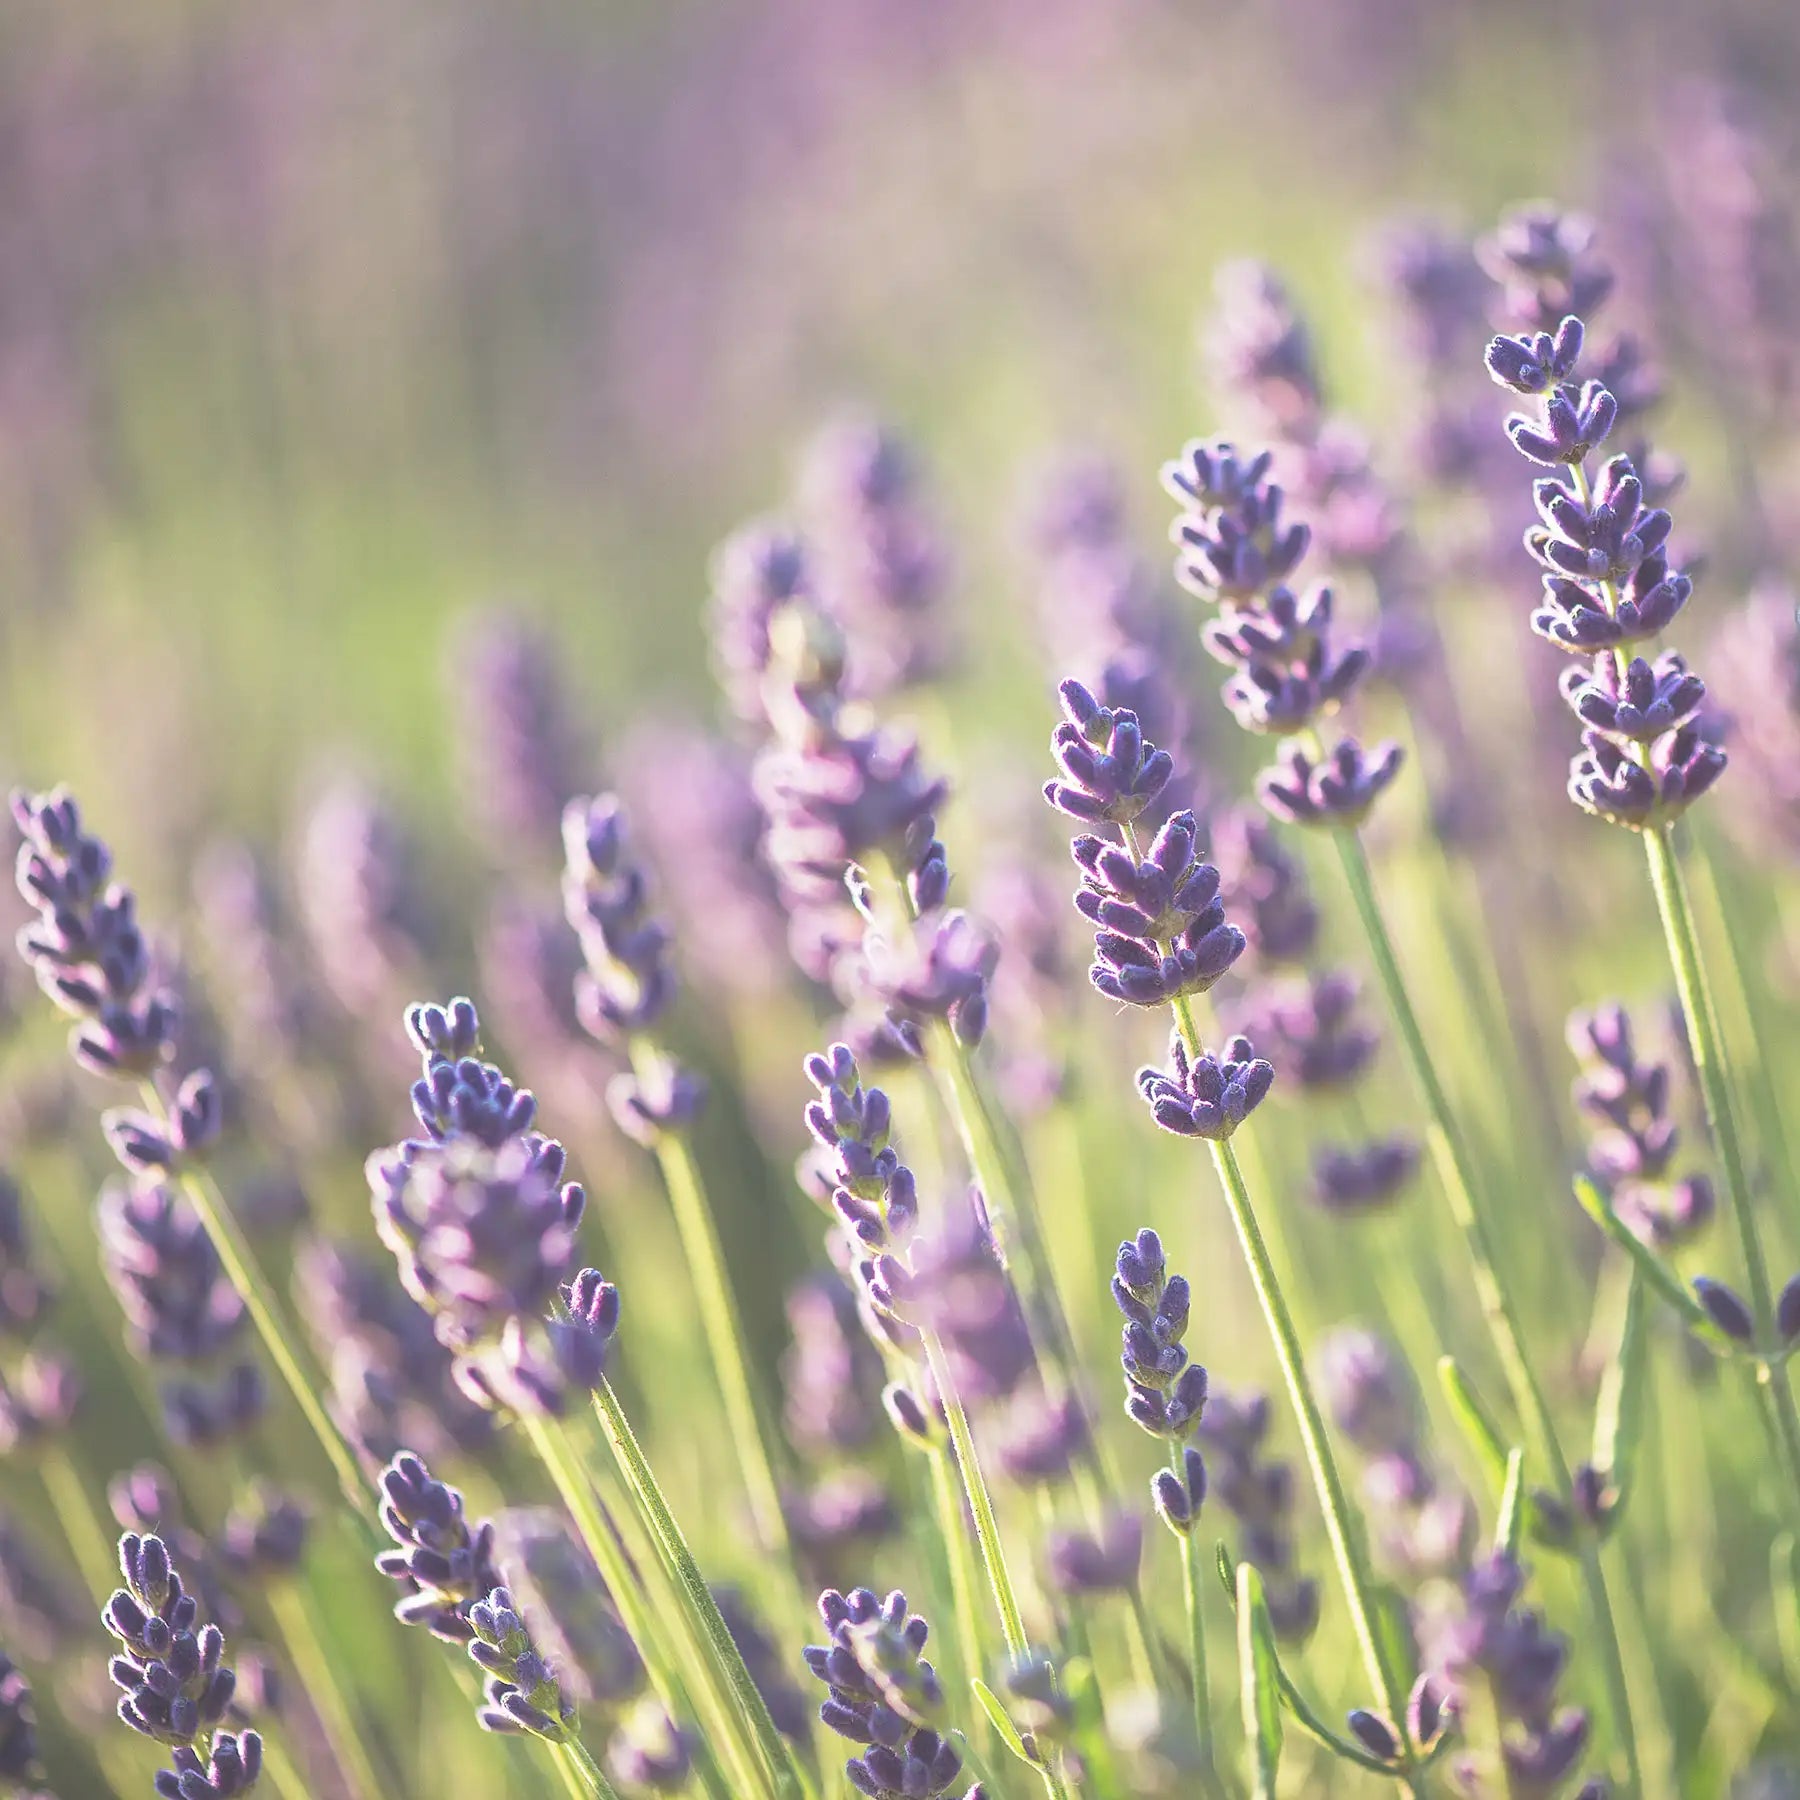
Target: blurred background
(328, 330)
(320, 325)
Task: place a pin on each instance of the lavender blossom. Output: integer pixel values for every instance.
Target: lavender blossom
(1110, 771)
(180, 1311)
(171, 1669)
(884, 1694)
(847, 1510)
(1206, 1096)
(1259, 1495)
(1165, 1394)
(25, 1296)
(1421, 1526)
(517, 730)
(1634, 1134)
(38, 1403)
(1336, 790)
(831, 1374)
(1608, 583)
(1320, 1042)
(1490, 1635)
(1102, 1561)
(1365, 1179)
(86, 947)
(879, 564)
(1040, 1436)
(1160, 929)
(523, 1692)
(19, 1763)
(629, 983)
(756, 573)
(442, 1562)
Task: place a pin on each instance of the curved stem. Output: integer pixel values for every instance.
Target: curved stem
(720, 1320)
(1450, 1158)
(947, 1502)
(88, 1541)
(1707, 1043)
(241, 1271)
(592, 1776)
(565, 1472)
(1327, 1482)
(319, 1683)
(780, 1769)
(987, 1530)
(1193, 1581)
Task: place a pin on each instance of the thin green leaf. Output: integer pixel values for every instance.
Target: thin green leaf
(1784, 1584)
(1477, 1422)
(1619, 1414)
(1259, 1677)
(1651, 1266)
(1002, 1721)
(1227, 1573)
(1510, 1525)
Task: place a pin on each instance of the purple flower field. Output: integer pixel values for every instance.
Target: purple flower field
(907, 900)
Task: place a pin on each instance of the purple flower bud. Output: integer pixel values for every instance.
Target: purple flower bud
(1375, 1734)
(1337, 790)
(1209, 1096)
(1109, 770)
(1534, 362)
(1105, 1562)
(1787, 1310)
(1725, 1309)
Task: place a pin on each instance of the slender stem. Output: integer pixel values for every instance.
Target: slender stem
(1451, 1159)
(1193, 1579)
(87, 1540)
(1707, 1044)
(592, 1775)
(319, 1682)
(1333, 1503)
(663, 1526)
(987, 1530)
(571, 1777)
(947, 1501)
(724, 1330)
(240, 1269)
(548, 1439)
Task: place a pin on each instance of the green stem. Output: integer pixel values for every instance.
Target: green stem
(1707, 1044)
(1451, 1160)
(1193, 1581)
(550, 1442)
(1333, 1503)
(89, 1543)
(240, 1269)
(947, 1501)
(779, 1766)
(592, 1776)
(319, 1683)
(724, 1330)
(987, 1530)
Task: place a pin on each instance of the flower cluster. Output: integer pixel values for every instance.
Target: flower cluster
(181, 1313)
(884, 1694)
(1489, 1634)
(175, 1684)
(523, 1693)
(628, 983)
(1208, 1095)
(1608, 586)
(1422, 1526)
(85, 946)
(1259, 1495)
(1103, 614)
(442, 1562)
(1634, 1135)
(880, 565)
(1237, 550)
(1165, 1393)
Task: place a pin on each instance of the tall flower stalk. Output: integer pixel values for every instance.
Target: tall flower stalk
(1237, 550)
(626, 991)
(91, 957)
(1608, 587)
(1162, 938)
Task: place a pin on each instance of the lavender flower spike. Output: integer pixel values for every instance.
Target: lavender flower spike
(523, 1693)
(1209, 1096)
(1109, 771)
